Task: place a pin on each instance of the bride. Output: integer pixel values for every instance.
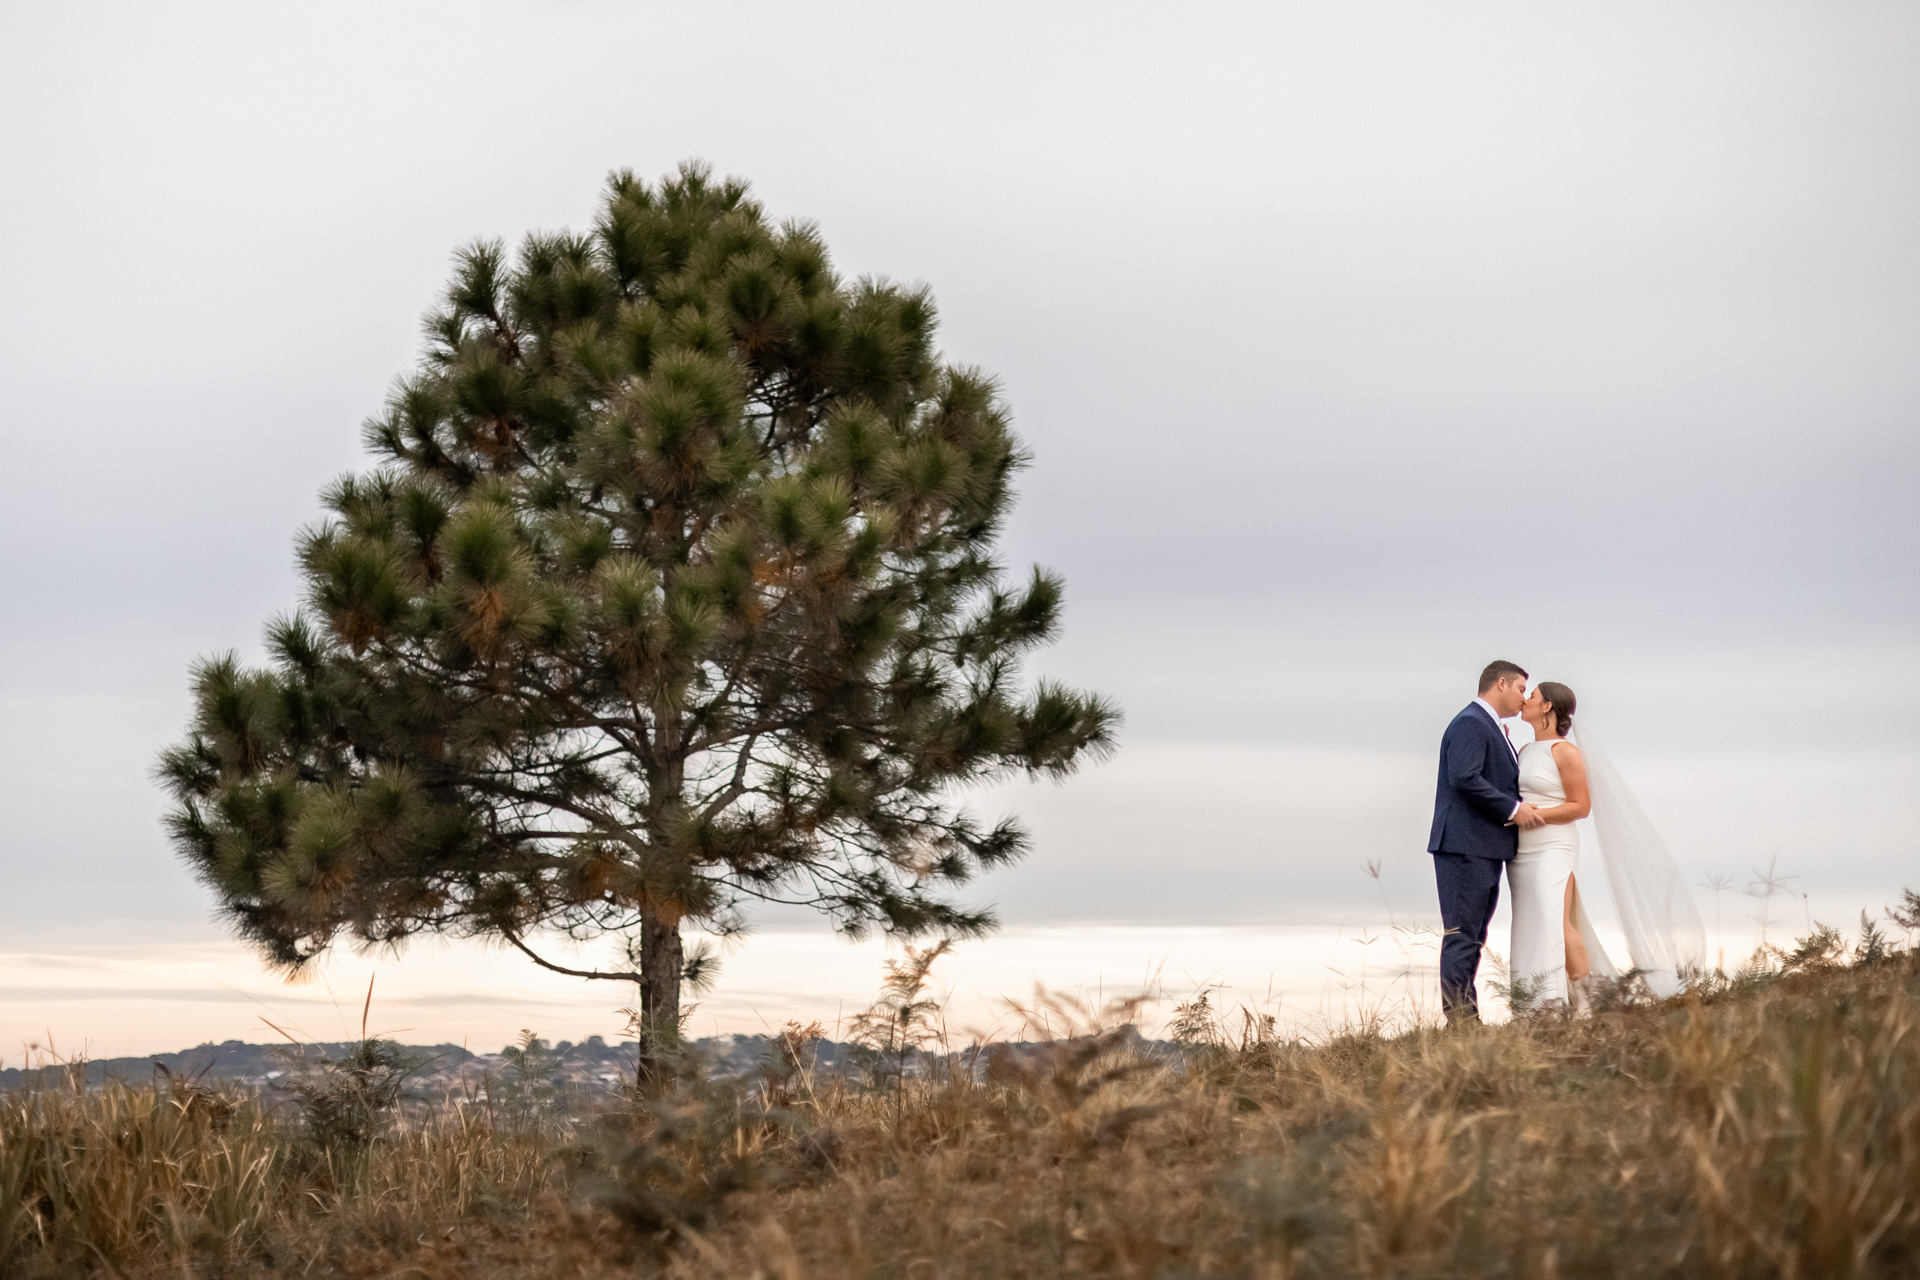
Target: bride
(1555, 949)
(1550, 951)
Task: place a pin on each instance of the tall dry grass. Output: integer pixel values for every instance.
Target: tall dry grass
(160, 1181)
(1765, 1127)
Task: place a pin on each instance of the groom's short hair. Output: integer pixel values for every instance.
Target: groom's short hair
(1499, 670)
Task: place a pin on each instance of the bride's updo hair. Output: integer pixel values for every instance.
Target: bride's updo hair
(1564, 704)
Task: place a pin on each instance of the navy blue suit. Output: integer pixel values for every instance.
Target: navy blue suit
(1478, 789)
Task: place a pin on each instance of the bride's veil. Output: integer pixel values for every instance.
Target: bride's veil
(1665, 935)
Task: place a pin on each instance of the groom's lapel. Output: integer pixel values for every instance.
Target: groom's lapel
(1499, 729)
(1500, 732)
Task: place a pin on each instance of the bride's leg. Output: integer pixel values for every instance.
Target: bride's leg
(1578, 966)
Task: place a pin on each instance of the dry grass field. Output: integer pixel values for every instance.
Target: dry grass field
(1766, 1126)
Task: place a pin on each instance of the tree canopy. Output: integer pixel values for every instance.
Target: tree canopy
(672, 589)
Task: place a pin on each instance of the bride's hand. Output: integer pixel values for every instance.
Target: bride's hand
(1526, 817)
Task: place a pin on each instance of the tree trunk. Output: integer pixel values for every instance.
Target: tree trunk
(662, 960)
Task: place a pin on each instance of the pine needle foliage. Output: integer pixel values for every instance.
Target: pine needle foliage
(903, 1018)
(347, 1101)
(673, 588)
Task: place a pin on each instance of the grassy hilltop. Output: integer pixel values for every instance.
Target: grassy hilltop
(1769, 1125)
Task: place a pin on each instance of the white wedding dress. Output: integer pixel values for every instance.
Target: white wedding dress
(1537, 879)
(1665, 936)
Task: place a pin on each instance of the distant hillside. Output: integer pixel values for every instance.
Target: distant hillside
(233, 1060)
(593, 1062)
(238, 1063)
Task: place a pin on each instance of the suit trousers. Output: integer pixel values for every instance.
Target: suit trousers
(1469, 891)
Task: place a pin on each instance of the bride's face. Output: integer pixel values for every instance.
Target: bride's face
(1534, 711)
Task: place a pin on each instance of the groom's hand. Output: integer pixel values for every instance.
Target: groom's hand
(1526, 817)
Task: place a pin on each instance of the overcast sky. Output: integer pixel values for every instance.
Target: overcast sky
(1356, 344)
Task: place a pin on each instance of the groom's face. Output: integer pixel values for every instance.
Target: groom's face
(1508, 696)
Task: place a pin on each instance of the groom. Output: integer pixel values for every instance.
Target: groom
(1477, 816)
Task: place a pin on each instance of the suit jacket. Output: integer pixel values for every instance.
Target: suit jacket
(1479, 786)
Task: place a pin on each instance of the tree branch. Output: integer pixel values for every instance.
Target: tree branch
(623, 975)
(737, 787)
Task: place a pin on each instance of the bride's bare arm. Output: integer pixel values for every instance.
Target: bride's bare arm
(1573, 780)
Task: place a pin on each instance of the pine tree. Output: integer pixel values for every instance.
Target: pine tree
(672, 590)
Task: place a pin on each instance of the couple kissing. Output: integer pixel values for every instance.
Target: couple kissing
(1501, 807)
